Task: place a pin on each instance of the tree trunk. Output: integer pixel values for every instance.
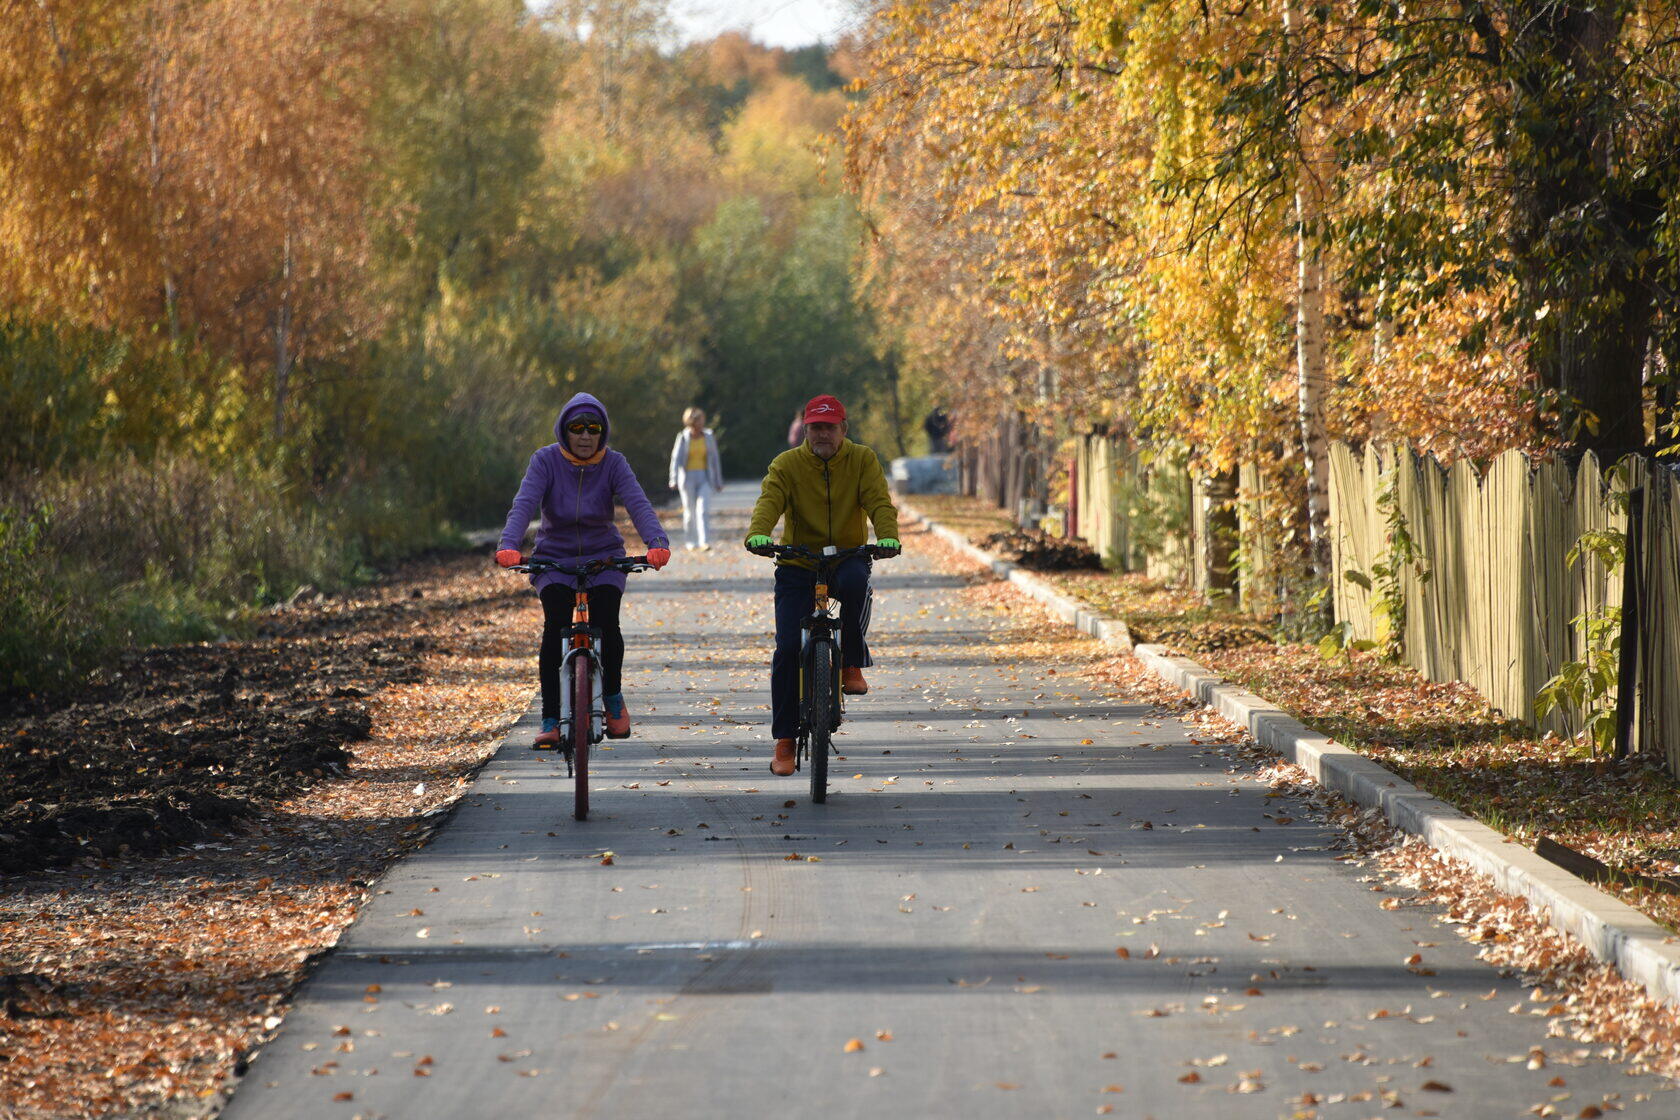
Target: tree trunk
(897, 409)
(1579, 232)
(282, 343)
(1223, 532)
(1309, 336)
(1310, 371)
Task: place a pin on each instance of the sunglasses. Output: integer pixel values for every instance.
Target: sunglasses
(585, 427)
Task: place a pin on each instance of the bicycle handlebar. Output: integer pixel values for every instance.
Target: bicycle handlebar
(800, 552)
(587, 568)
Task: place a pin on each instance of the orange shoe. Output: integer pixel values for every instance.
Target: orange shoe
(852, 682)
(782, 764)
(618, 718)
(549, 738)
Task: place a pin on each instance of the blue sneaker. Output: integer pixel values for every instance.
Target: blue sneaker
(618, 720)
(549, 738)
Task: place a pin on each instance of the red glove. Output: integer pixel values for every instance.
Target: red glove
(659, 557)
(508, 557)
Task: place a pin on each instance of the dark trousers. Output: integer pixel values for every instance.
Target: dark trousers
(557, 601)
(794, 589)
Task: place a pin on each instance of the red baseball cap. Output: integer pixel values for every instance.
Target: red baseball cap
(824, 410)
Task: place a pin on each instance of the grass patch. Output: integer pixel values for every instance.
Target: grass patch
(130, 554)
(1162, 614)
(974, 518)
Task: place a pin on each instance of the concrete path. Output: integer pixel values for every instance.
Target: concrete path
(995, 834)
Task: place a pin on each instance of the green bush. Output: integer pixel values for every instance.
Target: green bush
(46, 633)
(127, 554)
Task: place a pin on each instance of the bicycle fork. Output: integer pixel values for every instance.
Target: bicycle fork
(581, 647)
(808, 722)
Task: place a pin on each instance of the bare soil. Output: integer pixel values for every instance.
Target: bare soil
(186, 837)
(179, 742)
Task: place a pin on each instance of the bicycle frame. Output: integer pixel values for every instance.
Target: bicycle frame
(821, 624)
(582, 638)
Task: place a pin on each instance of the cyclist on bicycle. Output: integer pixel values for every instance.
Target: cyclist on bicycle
(575, 482)
(827, 486)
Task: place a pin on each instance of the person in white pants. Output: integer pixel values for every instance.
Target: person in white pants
(696, 473)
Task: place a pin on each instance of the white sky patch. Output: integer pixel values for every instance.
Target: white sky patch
(775, 23)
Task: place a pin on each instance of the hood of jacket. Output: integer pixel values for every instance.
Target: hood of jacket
(582, 402)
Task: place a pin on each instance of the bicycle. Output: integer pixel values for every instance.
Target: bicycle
(821, 702)
(580, 670)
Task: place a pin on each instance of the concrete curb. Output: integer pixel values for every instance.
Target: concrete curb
(1612, 931)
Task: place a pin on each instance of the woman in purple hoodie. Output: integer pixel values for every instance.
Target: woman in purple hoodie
(576, 482)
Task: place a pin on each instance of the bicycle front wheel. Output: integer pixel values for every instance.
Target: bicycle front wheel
(583, 718)
(821, 715)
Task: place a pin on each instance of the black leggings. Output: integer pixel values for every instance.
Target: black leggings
(557, 601)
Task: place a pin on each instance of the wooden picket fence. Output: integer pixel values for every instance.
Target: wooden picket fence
(1151, 515)
(1498, 607)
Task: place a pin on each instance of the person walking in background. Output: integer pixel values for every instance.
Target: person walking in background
(696, 473)
(938, 429)
(575, 482)
(796, 430)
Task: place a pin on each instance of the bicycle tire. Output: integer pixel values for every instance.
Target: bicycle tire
(821, 714)
(583, 719)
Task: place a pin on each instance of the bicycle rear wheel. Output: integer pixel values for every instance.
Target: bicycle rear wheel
(821, 715)
(583, 719)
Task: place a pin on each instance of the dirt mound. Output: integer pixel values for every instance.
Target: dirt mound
(186, 740)
(1039, 551)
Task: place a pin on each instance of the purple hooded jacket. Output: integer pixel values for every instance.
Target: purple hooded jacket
(577, 505)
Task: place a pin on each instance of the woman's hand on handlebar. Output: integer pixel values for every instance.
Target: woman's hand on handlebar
(508, 557)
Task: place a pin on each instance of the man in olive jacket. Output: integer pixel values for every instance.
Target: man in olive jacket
(827, 487)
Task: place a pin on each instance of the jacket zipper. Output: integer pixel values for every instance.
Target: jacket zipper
(577, 517)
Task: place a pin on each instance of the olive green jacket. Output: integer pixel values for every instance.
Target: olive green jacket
(825, 503)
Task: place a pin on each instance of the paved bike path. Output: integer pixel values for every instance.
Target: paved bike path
(995, 834)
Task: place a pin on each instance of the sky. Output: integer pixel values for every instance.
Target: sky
(776, 23)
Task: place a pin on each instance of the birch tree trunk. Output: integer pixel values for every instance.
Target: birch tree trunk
(1309, 367)
(1309, 330)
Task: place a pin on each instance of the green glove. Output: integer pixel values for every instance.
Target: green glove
(888, 542)
(758, 540)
